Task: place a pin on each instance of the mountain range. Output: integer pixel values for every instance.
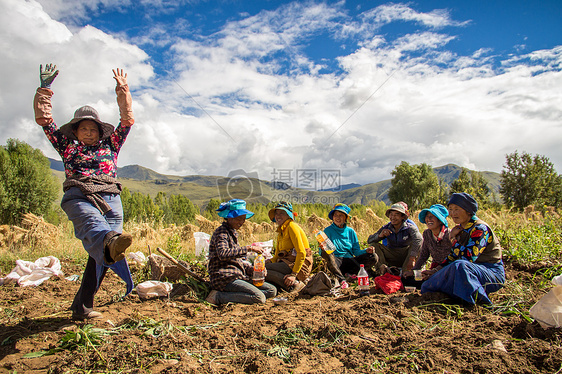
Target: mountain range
(201, 188)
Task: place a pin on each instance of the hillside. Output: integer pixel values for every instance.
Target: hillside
(201, 188)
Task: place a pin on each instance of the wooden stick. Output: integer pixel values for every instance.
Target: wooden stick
(185, 270)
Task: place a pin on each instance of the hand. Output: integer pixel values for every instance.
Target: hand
(408, 273)
(426, 274)
(48, 75)
(119, 77)
(289, 280)
(370, 249)
(256, 248)
(455, 231)
(384, 233)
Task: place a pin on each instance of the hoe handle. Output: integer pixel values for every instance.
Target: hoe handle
(186, 270)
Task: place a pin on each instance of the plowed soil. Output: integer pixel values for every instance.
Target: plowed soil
(399, 333)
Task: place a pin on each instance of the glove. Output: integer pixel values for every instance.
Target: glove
(48, 75)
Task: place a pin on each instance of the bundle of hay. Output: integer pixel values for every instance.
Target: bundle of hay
(205, 225)
(39, 232)
(314, 222)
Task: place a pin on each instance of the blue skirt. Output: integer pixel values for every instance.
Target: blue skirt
(469, 281)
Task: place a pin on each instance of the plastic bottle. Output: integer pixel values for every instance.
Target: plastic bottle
(325, 242)
(363, 281)
(259, 270)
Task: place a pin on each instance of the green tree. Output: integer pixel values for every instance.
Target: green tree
(472, 182)
(27, 184)
(416, 185)
(529, 180)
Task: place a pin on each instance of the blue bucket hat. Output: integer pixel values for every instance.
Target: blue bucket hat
(284, 206)
(234, 208)
(339, 207)
(438, 210)
(465, 201)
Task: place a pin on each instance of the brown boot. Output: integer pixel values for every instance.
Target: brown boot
(117, 246)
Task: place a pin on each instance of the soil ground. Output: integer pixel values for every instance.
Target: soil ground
(399, 333)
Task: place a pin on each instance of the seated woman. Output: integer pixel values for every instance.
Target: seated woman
(291, 264)
(474, 267)
(436, 242)
(231, 276)
(401, 240)
(348, 255)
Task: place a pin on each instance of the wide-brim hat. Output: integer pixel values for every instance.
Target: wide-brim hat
(397, 207)
(438, 210)
(234, 208)
(465, 201)
(284, 206)
(340, 207)
(81, 114)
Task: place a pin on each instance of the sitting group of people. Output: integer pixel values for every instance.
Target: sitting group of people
(466, 261)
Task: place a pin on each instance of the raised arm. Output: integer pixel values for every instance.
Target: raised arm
(124, 99)
(42, 100)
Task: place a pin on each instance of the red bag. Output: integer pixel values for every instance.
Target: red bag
(388, 283)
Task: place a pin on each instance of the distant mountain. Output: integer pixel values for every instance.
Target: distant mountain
(200, 188)
(342, 187)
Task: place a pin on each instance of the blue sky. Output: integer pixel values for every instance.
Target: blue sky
(263, 86)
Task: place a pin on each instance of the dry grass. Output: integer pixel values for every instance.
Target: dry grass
(36, 238)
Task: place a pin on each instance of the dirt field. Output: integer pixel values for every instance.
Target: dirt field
(400, 333)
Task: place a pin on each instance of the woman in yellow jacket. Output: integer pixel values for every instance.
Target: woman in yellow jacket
(292, 262)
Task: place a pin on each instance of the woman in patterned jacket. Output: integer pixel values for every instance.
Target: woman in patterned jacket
(89, 148)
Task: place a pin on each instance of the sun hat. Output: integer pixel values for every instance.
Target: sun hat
(234, 208)
(438, 210)
(465, 201)
(83, 113)
(399, 207)
(284, 206)
(339, 207)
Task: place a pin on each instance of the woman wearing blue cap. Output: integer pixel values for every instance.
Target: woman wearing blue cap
(231, 276)
(291, 264)
(348, 255)
(474, 267)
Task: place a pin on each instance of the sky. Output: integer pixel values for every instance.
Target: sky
(275, 88)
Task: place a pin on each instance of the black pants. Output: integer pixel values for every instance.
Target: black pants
(339, 266)
(84, 299)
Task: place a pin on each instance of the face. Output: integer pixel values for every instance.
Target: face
(432, 222)
(280, 216)
(87, 132)
(458, 214)
(396, 218)
(339, 218)
(236, 222)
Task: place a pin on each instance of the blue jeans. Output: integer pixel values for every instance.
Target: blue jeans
(90, 225)
(244, 292)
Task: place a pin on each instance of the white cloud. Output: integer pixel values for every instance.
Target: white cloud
(251, 97)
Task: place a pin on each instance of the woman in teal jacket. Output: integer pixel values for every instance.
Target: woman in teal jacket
(348, 255)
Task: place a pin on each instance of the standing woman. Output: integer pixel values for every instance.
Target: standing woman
(474, 267)
(291, 264)
(231, 276)
(89, 148)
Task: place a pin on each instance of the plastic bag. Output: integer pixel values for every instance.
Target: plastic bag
(28, 273)
(150, 289)
(267, 249)
(548, 310)
(137, 257)
(388, 283)
(202, 240)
